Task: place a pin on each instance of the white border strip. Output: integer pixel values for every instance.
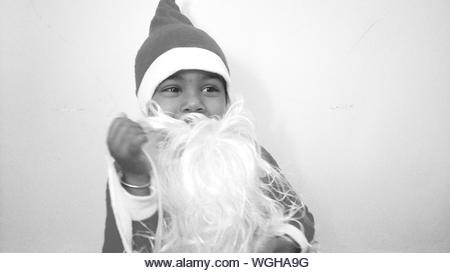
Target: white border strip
(174, 60)
(229, 262)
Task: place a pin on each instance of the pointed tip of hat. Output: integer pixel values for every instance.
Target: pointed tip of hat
(168, 13)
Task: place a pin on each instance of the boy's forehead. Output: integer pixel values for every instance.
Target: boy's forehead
(202, 74)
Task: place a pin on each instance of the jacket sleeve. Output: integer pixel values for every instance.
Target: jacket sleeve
(304, 218)
(123, 210)
(112, 242)
(141, 231)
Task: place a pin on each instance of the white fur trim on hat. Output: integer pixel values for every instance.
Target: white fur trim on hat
(174, 60)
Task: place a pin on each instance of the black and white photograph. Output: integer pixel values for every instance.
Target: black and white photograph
(199, 126)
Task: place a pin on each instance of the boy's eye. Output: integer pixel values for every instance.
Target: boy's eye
(211, 90)
(170, 91)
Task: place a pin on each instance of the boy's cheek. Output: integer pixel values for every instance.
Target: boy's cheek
(217, 109)
(169, 107)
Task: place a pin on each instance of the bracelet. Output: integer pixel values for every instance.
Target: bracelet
(134, 186)
(122, 179)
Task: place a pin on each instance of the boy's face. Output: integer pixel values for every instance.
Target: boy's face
(192, 91)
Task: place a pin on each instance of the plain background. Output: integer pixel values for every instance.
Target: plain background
(351, 97)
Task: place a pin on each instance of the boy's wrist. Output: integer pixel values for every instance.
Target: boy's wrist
(136, 180)
(136, 184)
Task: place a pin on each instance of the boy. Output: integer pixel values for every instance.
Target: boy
(184, 70)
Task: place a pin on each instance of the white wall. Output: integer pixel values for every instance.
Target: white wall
(351, 97)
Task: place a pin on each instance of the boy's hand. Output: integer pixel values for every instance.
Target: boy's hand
(279, 244)
(125, 139)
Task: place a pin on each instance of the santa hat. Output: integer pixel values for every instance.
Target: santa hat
(174, 44)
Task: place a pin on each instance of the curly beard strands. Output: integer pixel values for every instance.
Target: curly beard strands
(207, 174)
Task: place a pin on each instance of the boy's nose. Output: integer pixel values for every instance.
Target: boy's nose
(193, 104)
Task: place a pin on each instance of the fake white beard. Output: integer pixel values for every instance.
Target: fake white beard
(208, 174)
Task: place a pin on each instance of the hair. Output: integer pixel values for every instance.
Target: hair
(216, 193)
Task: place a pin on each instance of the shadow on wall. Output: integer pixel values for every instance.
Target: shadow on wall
(274, 134)
(271, 129)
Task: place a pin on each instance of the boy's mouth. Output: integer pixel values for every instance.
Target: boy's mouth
(192, 117)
